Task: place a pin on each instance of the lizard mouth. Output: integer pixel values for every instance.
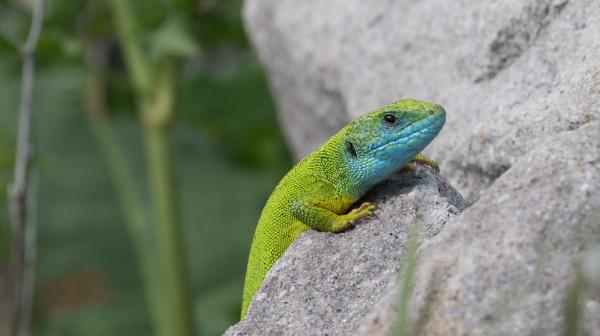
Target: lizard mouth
(414, 137)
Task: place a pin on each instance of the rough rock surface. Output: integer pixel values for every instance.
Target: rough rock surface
(504, 266)
(511, 73)
(326, 284)
(520, 80)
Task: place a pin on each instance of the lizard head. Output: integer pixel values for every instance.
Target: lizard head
(385, 140)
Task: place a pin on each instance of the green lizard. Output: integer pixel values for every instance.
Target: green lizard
(319, 190)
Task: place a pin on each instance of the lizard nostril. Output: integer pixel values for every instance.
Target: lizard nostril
(431, 112)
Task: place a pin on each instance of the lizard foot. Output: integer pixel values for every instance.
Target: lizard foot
(420, 158)
(364, 210)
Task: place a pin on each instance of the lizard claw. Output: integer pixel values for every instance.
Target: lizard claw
(364, 210)
(420, 158)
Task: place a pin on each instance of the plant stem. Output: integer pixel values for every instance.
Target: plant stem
(155, 88)
(157, 118)
(131, 202)
(572, 310)
(170, 248)
(127, 31)
(410, 264)
(23, 198)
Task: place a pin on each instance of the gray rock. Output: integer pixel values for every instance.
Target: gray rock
(520, 80)
(511, 73)
(506, 265)
(326, 284)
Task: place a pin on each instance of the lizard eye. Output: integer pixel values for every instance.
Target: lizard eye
(390, 118)
(350, 148)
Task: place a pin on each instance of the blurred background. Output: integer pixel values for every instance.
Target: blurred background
(105, 149)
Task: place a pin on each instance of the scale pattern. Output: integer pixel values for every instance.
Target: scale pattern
(318, 192)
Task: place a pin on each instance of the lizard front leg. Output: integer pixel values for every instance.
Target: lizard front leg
(317, 216)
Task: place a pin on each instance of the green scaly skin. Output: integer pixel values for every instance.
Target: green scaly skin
(318, 192)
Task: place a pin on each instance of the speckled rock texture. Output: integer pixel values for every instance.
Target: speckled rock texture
(505, 265)
(326, 284)
(520, 81)
(511, 73)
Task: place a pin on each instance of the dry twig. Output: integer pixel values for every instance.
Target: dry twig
(22, 191)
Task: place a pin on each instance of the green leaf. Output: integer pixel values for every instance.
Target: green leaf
(172, 38)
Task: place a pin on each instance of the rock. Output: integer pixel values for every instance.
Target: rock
(520, 81)
(505, 266)
(326, 284)
(512, 74)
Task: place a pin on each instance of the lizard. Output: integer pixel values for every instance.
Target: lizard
(319, 191)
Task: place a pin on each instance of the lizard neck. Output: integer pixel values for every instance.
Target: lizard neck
(359, 170)
(352, 176)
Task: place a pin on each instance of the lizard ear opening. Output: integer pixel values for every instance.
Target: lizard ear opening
(350, 148)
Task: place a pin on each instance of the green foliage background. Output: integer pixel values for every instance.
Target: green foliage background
(229, 153)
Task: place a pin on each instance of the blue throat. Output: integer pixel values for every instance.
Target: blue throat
(392, 154)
